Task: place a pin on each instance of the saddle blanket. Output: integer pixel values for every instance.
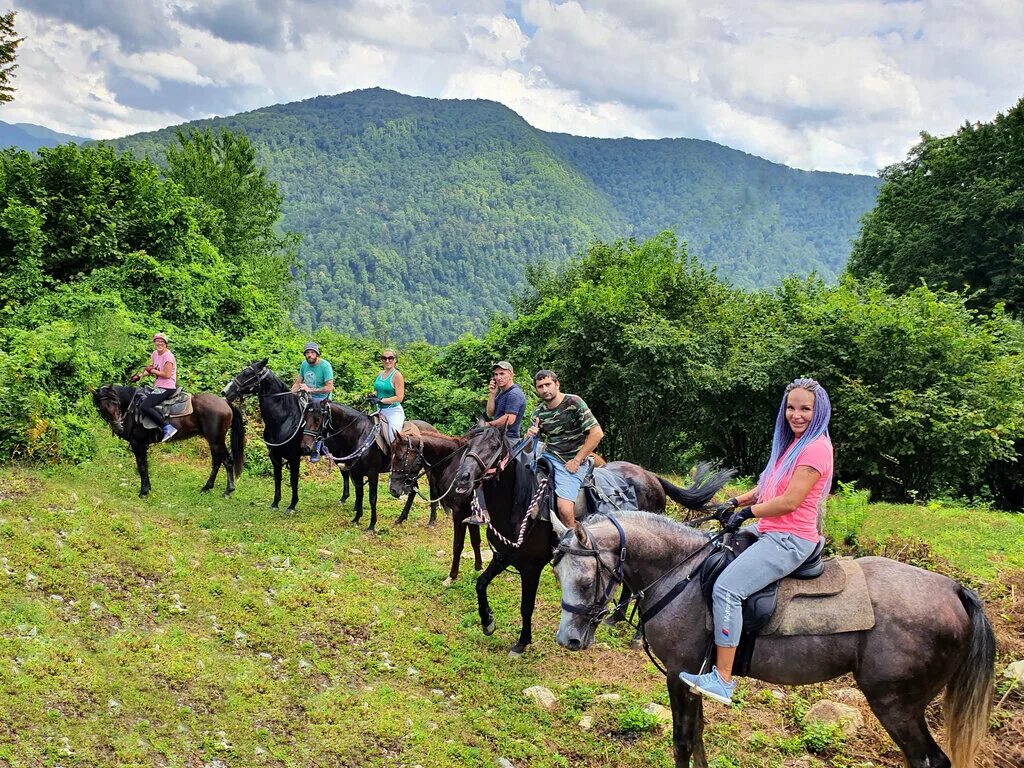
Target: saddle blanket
(837, 601)
(178, 404)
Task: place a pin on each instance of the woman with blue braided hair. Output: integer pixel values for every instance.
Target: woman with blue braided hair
(786, 503)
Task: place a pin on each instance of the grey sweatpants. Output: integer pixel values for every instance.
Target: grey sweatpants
(772, 557)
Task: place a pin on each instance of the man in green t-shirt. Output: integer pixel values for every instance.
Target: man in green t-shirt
(571, 434)
(316, 376)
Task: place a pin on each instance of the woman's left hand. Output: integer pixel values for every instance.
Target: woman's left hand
(736, 519)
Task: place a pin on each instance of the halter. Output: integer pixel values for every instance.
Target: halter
(409, 476)
(243, 385)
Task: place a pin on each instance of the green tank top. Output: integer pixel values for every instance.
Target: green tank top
(385, 388)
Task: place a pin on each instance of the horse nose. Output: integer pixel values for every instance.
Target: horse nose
(574, 644)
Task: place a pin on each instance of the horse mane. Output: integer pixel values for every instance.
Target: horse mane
(655, 522)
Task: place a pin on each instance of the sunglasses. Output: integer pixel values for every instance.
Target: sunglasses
(387, 357)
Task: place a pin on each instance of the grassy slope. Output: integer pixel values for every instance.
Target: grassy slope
(188, 629)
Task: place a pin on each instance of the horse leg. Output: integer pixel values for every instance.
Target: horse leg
(358, 481)
(458, 542)
(275, 460)
(293, 469)
(474, 539)
(218, 455)
(142, 465)
(902, 715)
(344, 490)
(496, 566)
(687, 724)
(373, 481)
(433, 514)
(405, 512)
(226, 460)
(529, 578)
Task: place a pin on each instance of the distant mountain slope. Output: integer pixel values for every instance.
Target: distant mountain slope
(31, 137)
(419, 216)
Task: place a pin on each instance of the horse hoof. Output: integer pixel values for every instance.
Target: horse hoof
(431, 524)
(227, 493)
(273, 505)
(489, 629)
(290, 511)
(516, 651)
(637, 643)
(399, 521)
(447, 582)
(356, 519)
(205, 489)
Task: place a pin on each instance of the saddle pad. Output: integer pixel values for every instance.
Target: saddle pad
(837, 601)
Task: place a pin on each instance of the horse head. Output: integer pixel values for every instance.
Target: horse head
(406, 461)
(247, 382)
(108, 403)
(485, 449)
(316, 418)
(588, 570)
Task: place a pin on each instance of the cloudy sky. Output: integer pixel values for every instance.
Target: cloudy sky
(841, 85)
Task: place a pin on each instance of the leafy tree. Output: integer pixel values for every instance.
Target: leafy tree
(9, 42)
(222, 171)
(952, 215)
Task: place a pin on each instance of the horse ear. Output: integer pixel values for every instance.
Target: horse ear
(264, 361)
(581, 533)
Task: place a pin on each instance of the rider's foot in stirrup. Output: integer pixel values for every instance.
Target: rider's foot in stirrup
(168, 432)
(710, 684)
(318, 448)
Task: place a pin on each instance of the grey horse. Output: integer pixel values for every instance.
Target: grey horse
(930, 634)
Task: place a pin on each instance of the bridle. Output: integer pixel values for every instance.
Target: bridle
(598, 609)
(639, 618)
(242, 386)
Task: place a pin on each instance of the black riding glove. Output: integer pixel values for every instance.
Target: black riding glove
(373, 400)
(737, 519)
(723, 511)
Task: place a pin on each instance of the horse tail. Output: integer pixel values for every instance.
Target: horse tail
(968, 697)
(237, 440)
(706, 483)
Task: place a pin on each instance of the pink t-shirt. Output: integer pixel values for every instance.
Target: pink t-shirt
(803, 521)
(158, 362)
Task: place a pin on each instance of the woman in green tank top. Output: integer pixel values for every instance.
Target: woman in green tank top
(389, 388)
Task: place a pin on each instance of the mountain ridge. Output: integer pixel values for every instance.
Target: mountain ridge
(420, 216)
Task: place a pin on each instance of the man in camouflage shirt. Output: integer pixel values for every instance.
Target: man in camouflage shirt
(571, 432)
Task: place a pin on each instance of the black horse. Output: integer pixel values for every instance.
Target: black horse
(282, 412)
(350, 436)
(437, 456)
(211, 417)
(526, 543)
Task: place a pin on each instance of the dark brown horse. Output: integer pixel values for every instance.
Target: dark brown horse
(415, 453)
(211, 418)
(930, 634)
(281, 410)
(350, 437)
(525, 543)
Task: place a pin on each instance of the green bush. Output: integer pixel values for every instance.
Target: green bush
(633, 719)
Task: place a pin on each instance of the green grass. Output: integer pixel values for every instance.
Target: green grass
(186, 629)
(974, 541)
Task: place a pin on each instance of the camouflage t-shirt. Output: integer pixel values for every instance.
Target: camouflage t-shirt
(565, 428)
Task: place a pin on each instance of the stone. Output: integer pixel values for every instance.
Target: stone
(586, 723)
(849, 718)
(1015, 671)
(541, 696)
(504, 762)
(664, 714)
(611, 697)
(848, 695)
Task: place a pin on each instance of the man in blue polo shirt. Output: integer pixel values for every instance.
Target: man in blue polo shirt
(506, 402)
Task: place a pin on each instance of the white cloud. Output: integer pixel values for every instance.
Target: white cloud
(844, 85)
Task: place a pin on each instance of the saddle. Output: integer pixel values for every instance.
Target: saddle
(820, 597)
(178, 404)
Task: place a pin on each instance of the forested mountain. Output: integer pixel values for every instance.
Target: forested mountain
(31, 137)
(419, 216)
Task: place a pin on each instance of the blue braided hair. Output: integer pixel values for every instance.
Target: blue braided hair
(783, 438)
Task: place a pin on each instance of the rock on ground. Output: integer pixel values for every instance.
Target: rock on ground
(849, 718)
(541, 696)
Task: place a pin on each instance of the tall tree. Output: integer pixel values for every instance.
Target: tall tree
(9, 42)
(222, 171)
(952, 214)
